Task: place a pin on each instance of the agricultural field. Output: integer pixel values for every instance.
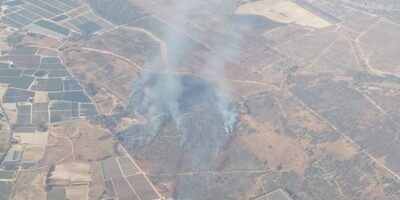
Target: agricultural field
(124, 180)
(77, 192)
(38, 91)
(56, 193)
(5, 190)
(5, 135)
(29, 185)
(45, 91)
(7, 174)
(58, 19)
(70, 173)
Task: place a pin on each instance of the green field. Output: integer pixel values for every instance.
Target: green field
(51, 60)
(29, 72)
(25, 50)
(17, 82)
(6, 174)
(109, 193)
(54, 84)
(4, 65)
(120, 151)
(10, 72)
(107, 177)
(59, 73)
(56, 194)
(5, 190)
(105, 170)
(56, 66)
(52, 26)
(110, 188)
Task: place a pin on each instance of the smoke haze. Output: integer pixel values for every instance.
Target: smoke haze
(205, 120)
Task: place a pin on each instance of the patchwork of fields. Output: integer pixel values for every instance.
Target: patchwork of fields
(188, 99)
(124, 180)
(38, 91)
(42, 88)
(55, 18)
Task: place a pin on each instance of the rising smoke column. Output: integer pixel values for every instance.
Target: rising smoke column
(205, 120)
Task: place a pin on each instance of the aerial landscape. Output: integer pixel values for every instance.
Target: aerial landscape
(200, 100)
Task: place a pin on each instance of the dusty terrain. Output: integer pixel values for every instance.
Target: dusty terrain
(186, 99)
(284, 12)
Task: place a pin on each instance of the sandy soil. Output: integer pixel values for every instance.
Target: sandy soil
(76, 172)
(86, 141)
(47, 52)
(341, 149)
(30, 185)
(40, 97)
(33, 152)
(79, 192)
(38, 138)
(278, 150)
(283, 11)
